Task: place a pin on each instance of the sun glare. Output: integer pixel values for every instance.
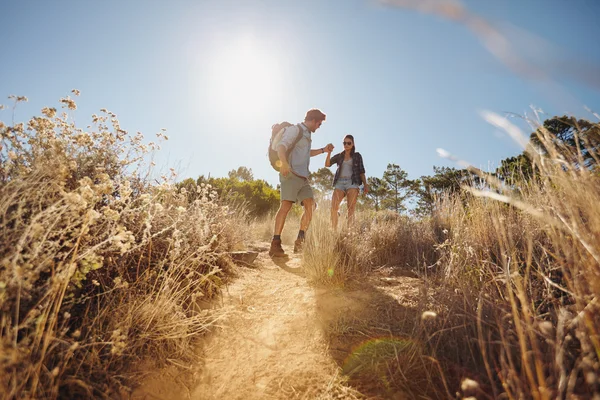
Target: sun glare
(245, 80)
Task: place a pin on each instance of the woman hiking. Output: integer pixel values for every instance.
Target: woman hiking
(349, 176)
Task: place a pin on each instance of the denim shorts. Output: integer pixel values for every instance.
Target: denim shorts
(344, 184)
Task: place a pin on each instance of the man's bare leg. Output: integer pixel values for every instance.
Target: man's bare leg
(309, 208)
(282, 213)
(276, 250)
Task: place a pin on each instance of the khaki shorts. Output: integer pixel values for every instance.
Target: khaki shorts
(295, 189)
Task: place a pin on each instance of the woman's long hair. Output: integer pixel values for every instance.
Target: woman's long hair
(353, 146)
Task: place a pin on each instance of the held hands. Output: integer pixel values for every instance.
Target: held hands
(329, 148)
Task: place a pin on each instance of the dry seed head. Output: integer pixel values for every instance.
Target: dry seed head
(591, 378)
(546, 328)
(103, 177)
(125, 190)
(49, 112)
(118, 281)
(105, 187)
(469, 385)
(111, 214)
(92, 215)
(18, 98)
(70, 103)
(87, 193)
(86, 181)
(428, 315)
(123, 239)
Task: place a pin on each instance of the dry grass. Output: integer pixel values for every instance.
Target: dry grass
(376, 240)
(262, 228)
(99, 268)
(375, 338)
(523, 264)
(516, 272)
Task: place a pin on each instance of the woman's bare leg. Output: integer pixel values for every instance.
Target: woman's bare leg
(336, 199)
(352, 198)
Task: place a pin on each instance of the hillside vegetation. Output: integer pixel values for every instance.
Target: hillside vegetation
(103, 267)
(100, 267)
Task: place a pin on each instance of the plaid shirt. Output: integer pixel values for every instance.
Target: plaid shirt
(357, 167)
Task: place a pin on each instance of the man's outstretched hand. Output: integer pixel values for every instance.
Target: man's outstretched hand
(329, 148)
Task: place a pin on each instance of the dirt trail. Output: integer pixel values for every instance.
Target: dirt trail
(284, 339)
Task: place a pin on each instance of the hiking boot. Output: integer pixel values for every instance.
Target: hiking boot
(276, 250)
(298, 244)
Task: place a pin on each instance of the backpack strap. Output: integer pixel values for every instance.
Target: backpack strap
(300, 134)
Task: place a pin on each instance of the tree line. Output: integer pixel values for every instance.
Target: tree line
(577, 138)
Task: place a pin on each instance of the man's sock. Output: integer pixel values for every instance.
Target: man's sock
(276, 237)
(301, 235)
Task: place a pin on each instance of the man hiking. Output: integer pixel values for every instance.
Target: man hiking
(293, 176)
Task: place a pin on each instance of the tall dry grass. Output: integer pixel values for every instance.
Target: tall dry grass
(261, 228)
(375, 240)
(99, 268)
(387, 354)
(516, 271)
(524, 261)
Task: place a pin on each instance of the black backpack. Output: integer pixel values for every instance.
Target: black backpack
(273, 156)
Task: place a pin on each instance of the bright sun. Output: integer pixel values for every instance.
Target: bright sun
(245, 80)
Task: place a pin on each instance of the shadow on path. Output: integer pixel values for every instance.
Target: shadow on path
(372, 329)
(291, 265)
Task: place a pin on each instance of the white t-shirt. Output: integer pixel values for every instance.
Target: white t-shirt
(346, 169)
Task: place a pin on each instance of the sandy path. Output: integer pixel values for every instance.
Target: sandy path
(284, 339)
(272, 345)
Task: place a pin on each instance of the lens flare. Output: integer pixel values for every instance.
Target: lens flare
(375, 353)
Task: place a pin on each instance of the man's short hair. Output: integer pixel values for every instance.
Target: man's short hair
(315, 114)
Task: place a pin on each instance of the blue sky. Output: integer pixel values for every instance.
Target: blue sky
(218, 74)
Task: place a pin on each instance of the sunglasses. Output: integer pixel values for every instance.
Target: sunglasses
(348, 143)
